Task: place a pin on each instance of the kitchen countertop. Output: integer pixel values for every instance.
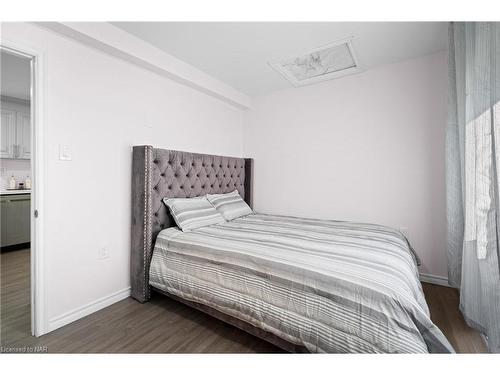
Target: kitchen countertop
(17, 191)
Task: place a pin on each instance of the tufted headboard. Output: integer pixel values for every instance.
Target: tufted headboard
(158, 173)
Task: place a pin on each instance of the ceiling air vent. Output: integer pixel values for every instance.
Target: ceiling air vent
(321, 64)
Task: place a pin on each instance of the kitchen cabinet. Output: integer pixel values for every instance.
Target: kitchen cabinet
(15, 131)
(15, 220)
(8, 130)
(23, 135)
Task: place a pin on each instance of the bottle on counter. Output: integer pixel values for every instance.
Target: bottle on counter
(12, 182)
(27, 183)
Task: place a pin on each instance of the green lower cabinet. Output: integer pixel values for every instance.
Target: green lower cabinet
(15, 219)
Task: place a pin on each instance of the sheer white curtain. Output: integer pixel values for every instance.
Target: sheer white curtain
(473, 158)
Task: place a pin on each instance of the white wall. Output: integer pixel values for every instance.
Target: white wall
(100, 106)
(368, 147)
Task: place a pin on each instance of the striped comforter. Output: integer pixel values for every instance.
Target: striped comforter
(331, 286)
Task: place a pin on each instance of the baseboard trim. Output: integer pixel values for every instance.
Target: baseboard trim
(88, 309)
(434, 279)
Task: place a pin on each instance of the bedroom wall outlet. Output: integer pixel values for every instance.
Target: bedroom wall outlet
(103, 253)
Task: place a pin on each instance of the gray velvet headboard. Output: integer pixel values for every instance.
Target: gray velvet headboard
(158, 173)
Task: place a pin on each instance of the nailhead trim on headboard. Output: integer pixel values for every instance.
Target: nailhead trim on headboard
(147, 220)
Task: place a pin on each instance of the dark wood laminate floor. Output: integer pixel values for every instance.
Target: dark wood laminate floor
(166, 326)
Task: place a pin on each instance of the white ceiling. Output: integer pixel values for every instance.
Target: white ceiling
(15, 78)
(238, 53)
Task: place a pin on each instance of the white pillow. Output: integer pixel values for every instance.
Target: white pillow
(230, 205)
(192, 213)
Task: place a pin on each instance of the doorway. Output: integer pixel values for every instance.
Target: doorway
(20, 174)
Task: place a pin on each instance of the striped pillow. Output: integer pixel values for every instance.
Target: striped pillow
(192, 213)
(230, 205)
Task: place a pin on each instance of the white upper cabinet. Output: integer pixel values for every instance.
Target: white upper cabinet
(8, 132)
(23, 139)
(15, 141)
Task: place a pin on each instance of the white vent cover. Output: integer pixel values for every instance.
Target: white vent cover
(324, 63)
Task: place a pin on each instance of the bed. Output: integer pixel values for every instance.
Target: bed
(304, 285)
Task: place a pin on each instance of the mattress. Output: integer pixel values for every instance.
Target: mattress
(331, 286)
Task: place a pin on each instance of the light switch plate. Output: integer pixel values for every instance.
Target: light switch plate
(103, 253)
(64, 153)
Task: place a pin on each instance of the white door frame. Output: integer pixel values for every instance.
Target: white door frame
(37, 252)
